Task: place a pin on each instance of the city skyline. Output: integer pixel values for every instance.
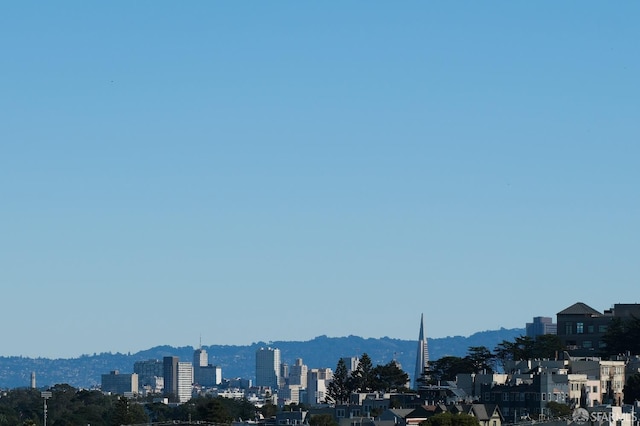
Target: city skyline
(261, 172)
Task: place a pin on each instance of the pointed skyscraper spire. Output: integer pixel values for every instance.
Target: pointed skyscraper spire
(422, 358)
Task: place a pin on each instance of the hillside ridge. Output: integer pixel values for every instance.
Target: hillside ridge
(239, 360)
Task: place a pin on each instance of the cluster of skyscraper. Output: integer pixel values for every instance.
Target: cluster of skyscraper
(175, 378)
(296, 383)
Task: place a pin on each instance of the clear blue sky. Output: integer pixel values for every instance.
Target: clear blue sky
(250, 171)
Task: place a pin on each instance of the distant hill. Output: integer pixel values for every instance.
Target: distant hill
(239, 361)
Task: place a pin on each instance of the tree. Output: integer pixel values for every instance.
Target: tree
(631, 389)
(481, 358)
(520, 349)
(126, 412)
(212, 410)
(448, 367)
(268, 410)
(339, 388)
(361, 379)
(449, 419)
(322, 420)
(558, 410)
(547, 346)
(623, 335)
(389, 377)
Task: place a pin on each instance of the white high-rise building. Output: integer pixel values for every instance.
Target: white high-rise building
(185, 381)
(200, 358)
(317, 381)
(268, 367)
(298, 374)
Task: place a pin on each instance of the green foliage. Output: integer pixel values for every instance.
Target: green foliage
(361, 379)
(389, 378)
(322, 420)
(212, 410)
(622, 336)
(558, 410)
(125, 412)
(268, 410)
(70, 407)
(481, 358)
(449, 419)
(339, 388)
(631, 389)
(446, 368)
(546, 346)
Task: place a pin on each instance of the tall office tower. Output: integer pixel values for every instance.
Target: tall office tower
(298, 374)
(422, 358)
(148, 372)
(119, 384)
(209, 376)
(200, 360)
(184, 381)
(268, 367)
(170, 374)
(541, 326)
(284, 373)
(33, 380)
(317, 380)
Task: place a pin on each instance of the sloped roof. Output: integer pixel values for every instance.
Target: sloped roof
(579, 309)
(401, 412)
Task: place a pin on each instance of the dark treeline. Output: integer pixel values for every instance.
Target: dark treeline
(69, 406)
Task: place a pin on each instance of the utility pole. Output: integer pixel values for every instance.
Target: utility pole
(45, 395)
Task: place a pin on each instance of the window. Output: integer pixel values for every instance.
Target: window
(587, 344)
(579, 327)
(340, 412)
(568, 328)
(590, 328)
(602, 344)
(505, 396)
(544, 396)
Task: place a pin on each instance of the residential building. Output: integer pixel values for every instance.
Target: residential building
(609, 377)
(486, 414)
(581, 328)
(291, 418)
(268, 368)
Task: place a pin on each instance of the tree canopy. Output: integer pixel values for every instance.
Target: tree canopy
(449, 419)
(622, 336)
(366, 378)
